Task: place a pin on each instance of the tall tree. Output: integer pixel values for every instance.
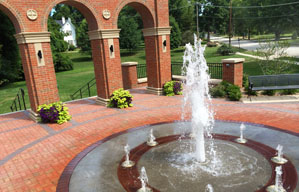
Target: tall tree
(11, 68)
(175, 36)
(213, 17)
(82, 38)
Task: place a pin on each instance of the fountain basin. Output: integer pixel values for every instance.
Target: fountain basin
(96, 168)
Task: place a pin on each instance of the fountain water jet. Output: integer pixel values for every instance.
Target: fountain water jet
(279, 159)
(241, 139)
(144, 181)
(278, 187)
(196, 96)
(127, 163)
(151, 139)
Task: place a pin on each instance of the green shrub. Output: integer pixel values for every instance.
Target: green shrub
(62, 62)
(269, 92)
(234, 92)
(225, 50)
(54, 113)
(72, 47)
(218, 91)
(120, 98)
(172, 88)
(289, 91)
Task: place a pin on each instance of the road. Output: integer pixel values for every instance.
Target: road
(250, 45)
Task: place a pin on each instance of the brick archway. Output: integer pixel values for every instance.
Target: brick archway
(32, 37)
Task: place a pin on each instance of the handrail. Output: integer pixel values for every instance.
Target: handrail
(18, 100)
(85, 87)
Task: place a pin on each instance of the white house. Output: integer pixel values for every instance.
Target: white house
(69, 29)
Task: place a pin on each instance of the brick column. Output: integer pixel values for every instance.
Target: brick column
(232, 70)
(158, 61)
(38, 68)
(107, 64)
(129, 71)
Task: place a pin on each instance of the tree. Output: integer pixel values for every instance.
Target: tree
(175, 36)
(130, 23)
(214, 18)
(130, 36)
(11, 67)
(273, 53)
(184, 13)
(58, 45)
(82, 38)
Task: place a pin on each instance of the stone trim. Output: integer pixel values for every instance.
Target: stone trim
(142, 80)
(127, 64)
(101, 101)
(233, 60)
(155, 91)
(33, 37)
(34, 116)
(156, 31)
(104, 34)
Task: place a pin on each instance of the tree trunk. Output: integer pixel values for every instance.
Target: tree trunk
(277, 35)
(209, 35)
(248, 34)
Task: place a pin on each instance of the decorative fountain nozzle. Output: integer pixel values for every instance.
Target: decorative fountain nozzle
(144, 181)
(279, 159)
(209, 188)
(241, 138)
(127, 163)
(151, 139)
(278, 187)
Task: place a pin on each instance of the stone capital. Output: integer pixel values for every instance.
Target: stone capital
(104, 34)
(128, 64)
(233, 60)
(156, 31)
(33, 37)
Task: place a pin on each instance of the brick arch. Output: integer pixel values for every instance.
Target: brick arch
(145, 12)
(13, 15)
(84, 6)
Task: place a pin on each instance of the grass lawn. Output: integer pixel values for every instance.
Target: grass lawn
(70, 81)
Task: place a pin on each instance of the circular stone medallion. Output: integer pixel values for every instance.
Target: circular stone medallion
(31, 14)
(106, 14)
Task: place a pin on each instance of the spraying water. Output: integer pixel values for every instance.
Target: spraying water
(144, 181)
(242, 128)
(127, 163)
(196, 95)
(279, 151)
(209, 188)
(127, 151)
(278, 180)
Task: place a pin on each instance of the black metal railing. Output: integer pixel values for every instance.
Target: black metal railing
(141, 71)
(215, 69)
(19, 101)
(85, 88)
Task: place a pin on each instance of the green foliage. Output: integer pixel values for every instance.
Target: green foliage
(184, 13)
(269, 92)
(187, 37)
(276, 65)
(225, 50)
(234, 92)
(289, 91)
(82, 38)
(71, 47)
(212, 44)
(10, 63)
(218, 91)
(175, 36)
(62, 62)
(172, 88)
(54, 113)
(120, 98)
(246, 85)
(130, 35)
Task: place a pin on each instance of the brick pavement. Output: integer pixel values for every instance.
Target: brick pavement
(33, 156)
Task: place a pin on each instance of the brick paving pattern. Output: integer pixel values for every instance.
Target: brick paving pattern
(33, 156)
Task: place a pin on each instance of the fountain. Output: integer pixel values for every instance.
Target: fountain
(209, 188)
(144, 181)
(279, 159)
(278, 187)
(241, 139)
(196, 96)
(127, 163)
(151, 139)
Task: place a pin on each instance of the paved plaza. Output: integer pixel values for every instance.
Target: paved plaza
(33, 156)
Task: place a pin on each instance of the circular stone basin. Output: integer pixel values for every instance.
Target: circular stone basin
(171, 167)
